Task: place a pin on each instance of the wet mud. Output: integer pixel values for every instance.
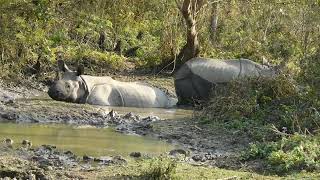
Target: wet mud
(197, 143)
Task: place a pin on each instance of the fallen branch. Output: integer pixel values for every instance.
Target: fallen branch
(275, 129)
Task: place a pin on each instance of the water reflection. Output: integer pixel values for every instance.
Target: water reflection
(160, 112)
(90, 141)
(163, 113)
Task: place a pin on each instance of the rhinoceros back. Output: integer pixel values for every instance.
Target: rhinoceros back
(140, 95)
(195, 79)
(106, 91)
(105, 95)
(217, 71)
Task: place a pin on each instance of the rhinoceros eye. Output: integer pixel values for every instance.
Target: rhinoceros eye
(68, 86)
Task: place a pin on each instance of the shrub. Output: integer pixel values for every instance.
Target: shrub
(279, 101)
(291, 153)
(276, 114)
(160, 169)
(109, 58)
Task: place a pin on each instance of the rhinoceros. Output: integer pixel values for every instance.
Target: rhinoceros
(73, 86)
(196, 78)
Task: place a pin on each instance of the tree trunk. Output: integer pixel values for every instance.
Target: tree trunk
(101, 41)
(214, 21)
(191, 48)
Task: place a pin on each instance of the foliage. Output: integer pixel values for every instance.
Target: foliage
(291, 153)
(310, 70)
(276, 114)
(279, 101)
(280, 31)
(161, 169)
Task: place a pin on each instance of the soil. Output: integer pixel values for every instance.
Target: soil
(28, 103)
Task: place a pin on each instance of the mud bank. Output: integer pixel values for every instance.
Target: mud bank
(199, 145)
(46, 162)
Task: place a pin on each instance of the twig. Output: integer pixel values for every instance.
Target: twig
(165, 67)
(2, 55)
(178, 6)
(174, 63)
(274, 129)
(229, 178)
(197, 127)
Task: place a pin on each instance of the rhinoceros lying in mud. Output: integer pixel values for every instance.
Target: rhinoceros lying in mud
(73, 86)
(195, 79)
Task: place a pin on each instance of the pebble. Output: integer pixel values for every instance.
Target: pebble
(179, 151)
(199, 157)
(48, 168)
(103, 159)
(69, 153)
(48, 147)
(10, 116)
(113, 114)
(32, 176)
(132, 116)
(26, 143)
(8, 142)
(129, 115)
(119, 160)
(135, 154)
(151, 118)
(87, 158)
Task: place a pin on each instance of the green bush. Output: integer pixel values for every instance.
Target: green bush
(160, 169)
(280, 32)
(112, 59)
(276, 114)
(292, 153)
(264, 101)
(310, 71)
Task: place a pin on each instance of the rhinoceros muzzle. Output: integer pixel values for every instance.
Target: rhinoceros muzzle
(57, 92)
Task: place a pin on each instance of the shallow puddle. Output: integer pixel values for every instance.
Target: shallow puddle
(163, 113)
(83, 140)
(160, 112)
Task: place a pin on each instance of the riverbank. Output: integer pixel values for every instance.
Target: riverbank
(205, 152)
(203, 145)
(47, 163)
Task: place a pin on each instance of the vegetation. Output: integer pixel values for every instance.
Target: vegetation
(104, 35)
(160, 168)
(292, 153)
(280, 115)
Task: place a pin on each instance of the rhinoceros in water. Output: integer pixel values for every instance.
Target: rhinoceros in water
(195, 79)
(73, 86)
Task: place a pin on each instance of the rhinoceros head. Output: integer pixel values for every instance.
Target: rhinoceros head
(269, 70)
(68, 85)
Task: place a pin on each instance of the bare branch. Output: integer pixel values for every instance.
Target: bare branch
(178, 5)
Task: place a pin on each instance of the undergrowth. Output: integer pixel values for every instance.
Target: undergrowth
(280, 117)
(291, 153)
(160, 169)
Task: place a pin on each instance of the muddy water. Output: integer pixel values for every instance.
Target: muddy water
(90, 141)
(83, 140)
(163, 113)
(160, 112)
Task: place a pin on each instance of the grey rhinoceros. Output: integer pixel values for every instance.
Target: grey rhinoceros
(195, 79)
(73, 86)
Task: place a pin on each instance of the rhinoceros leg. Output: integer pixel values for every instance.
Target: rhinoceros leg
(202, 87)
(185, 91)
(192, 88)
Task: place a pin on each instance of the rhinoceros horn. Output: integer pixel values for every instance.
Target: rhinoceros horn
(66, 72)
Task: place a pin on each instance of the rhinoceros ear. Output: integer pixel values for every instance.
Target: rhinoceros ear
(80, 70)
(265, 62)
(62, 66)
